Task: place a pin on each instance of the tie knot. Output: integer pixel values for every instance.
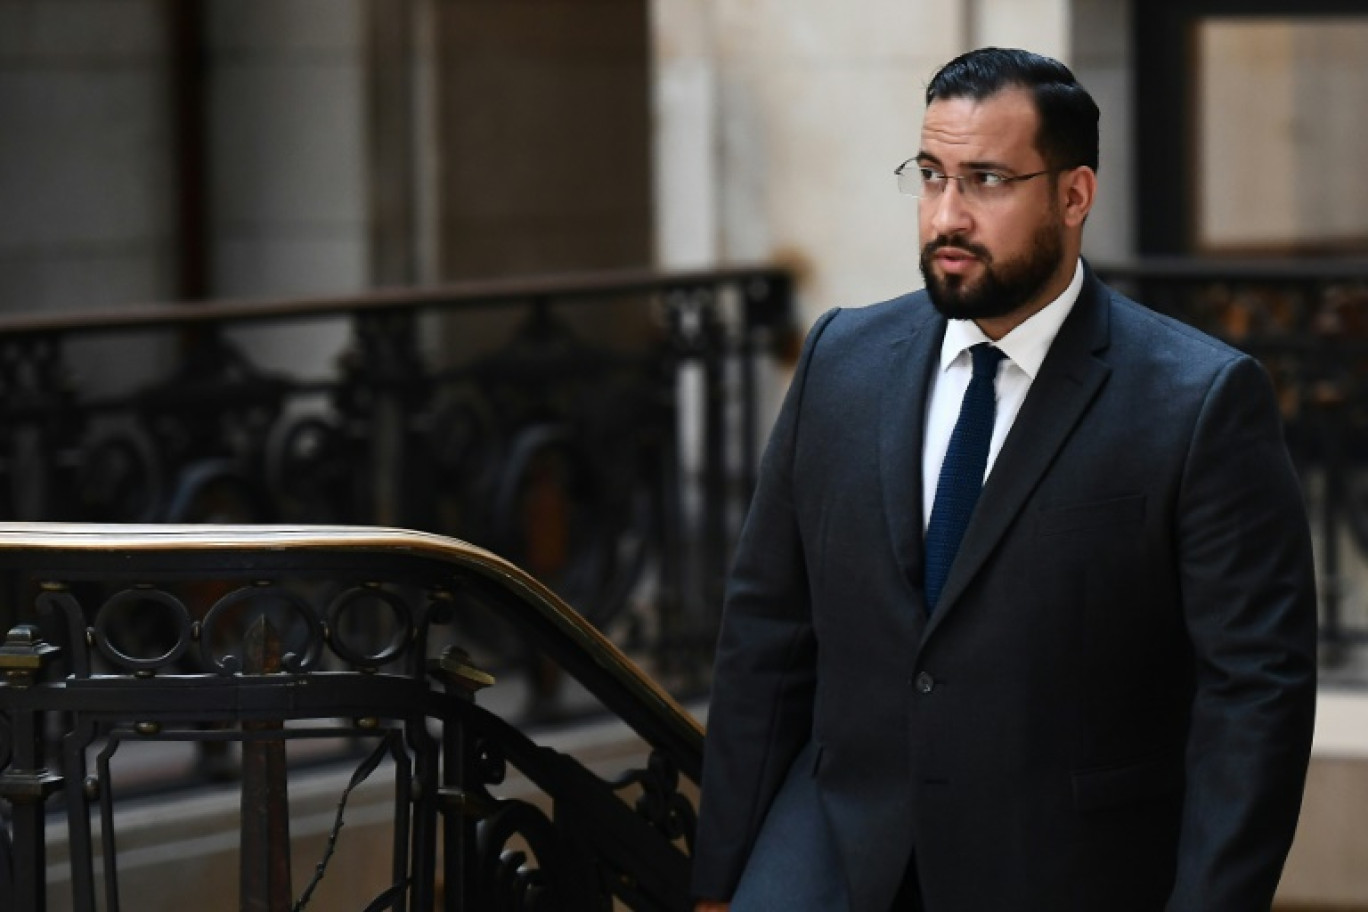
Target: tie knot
(986, 359)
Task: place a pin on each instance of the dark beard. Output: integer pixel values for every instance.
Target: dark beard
(1004, 288)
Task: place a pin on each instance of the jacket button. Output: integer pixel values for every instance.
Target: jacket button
(924, 683)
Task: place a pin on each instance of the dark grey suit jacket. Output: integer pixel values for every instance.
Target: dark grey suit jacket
(1111, 708)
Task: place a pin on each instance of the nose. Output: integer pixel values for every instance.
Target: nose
(949, 215)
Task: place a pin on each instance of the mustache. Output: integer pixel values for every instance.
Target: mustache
(942, 242)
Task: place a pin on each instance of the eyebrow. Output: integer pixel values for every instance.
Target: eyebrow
(928, 158)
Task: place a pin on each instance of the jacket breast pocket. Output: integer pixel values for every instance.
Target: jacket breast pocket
(1097, 514)
(1104, 787)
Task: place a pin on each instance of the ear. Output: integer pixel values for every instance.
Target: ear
(1077, 189)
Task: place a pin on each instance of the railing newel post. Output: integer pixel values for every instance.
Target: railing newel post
(27, 781)
(461, 810)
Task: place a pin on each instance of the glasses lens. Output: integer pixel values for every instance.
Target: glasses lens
(909, 180)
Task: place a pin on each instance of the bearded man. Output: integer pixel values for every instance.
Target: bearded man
(1023, 616)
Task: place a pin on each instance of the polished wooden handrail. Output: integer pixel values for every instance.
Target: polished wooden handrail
(417, 708)
(383, 423)
(618, 678)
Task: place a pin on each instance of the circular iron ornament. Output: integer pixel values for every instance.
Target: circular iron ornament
(107, 621)
(232, 664)
(398, 642)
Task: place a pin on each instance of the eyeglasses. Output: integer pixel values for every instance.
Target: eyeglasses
(976, 186)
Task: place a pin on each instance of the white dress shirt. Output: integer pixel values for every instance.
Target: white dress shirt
(1025, 348)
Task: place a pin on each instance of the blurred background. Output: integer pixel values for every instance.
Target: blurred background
(531, 272)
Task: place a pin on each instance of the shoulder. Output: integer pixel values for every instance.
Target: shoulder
(1162, 342)
(886, 320)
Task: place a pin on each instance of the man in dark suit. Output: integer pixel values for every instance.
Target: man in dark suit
(1090, 691)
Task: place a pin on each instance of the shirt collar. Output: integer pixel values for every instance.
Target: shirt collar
(1027, 344)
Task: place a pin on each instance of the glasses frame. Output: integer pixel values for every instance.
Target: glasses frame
(975, 194)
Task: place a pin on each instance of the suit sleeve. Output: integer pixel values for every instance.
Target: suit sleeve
(1249, 599)
(764, 675)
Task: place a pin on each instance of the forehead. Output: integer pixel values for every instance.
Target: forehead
(999, 129)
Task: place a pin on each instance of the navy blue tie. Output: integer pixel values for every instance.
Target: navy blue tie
(961, 476)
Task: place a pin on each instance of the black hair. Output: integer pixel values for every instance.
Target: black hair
(1067, 135)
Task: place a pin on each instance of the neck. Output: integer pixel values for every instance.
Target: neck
(997, 327)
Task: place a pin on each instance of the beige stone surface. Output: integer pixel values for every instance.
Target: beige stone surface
(809, 155)
(1267, 85)
(79, 32)
(818, 31)
(1038, 25)
(1328, 865)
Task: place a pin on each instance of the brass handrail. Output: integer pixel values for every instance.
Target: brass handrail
(415, 708)
(566, 633)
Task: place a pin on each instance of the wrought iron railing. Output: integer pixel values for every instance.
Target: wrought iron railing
(273, 637)
(1307, 321)
(613, 463)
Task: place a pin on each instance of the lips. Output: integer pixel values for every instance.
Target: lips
(953, 260)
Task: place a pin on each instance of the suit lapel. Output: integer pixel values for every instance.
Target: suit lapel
(902, 414)
(1068, 380)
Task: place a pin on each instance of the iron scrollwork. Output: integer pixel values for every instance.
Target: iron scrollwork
(590, 848)
(358, 622)
(551, 448)
(661, 803)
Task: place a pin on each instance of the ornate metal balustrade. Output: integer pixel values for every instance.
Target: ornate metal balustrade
(322, 632)
(615, 472)
(1307, 321)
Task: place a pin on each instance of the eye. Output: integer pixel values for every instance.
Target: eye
(988, 179)
(931, 176)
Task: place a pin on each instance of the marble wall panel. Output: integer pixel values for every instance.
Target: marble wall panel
(289, 187)
(80, 31)
(83, 156)
(1275, 171)
(1042, 26)
(1101, 59)
(84, 162)
(817, 30)
(808, 164)
(284, 26)
(1099, 31)
(288, 143)
(777, 129)
(685, 174)
(1109, 235)
(684, 171)
(289, 263)
(681, 29)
